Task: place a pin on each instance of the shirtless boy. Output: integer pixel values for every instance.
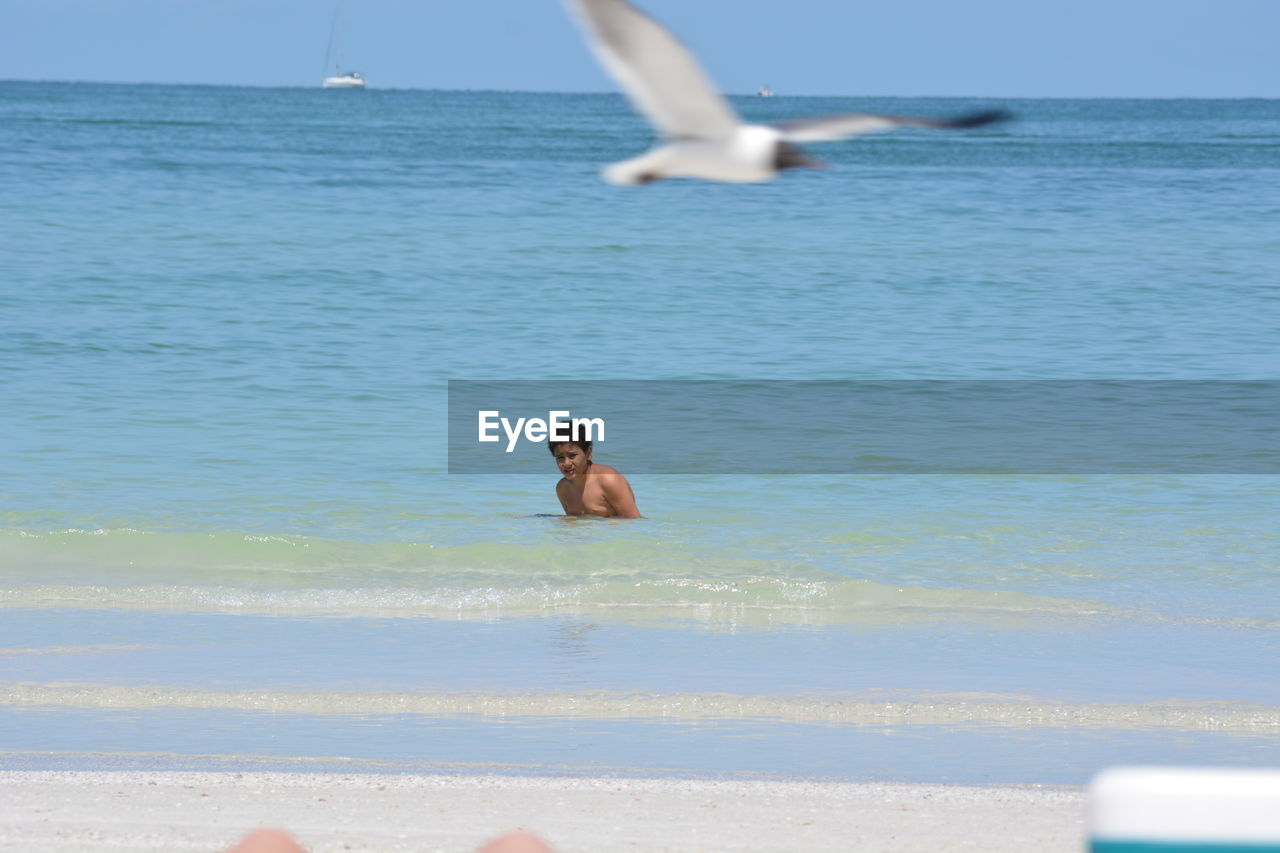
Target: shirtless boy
(589, 488)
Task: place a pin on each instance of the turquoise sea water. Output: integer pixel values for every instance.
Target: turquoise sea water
(227, 320)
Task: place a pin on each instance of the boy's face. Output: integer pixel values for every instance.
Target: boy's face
(571, 459)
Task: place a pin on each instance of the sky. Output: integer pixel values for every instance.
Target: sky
(1006, 48)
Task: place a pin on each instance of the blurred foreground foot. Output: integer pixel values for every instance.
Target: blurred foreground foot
(276, 841)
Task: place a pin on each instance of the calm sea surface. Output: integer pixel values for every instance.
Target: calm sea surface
(227, 538)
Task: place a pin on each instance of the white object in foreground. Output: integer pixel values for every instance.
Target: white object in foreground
(1185, 809)
(705, 137)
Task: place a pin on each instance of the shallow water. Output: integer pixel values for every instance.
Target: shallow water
(229, 316)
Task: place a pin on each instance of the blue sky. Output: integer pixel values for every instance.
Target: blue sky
(1009, 48)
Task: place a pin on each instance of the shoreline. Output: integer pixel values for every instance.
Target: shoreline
(208, 811)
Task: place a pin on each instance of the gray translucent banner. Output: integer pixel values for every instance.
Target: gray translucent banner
(897, 427)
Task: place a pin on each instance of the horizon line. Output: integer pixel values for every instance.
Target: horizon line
(618, 93)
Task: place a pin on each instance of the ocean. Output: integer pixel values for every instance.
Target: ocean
(230, 538)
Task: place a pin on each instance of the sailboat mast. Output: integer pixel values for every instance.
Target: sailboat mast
(333, 33)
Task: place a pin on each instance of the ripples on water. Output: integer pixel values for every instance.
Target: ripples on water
(230, 314)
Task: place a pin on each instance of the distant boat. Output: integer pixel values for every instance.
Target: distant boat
(764, 92)
(349, 80)
(340, 79)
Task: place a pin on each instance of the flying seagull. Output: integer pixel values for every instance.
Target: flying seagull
(705, 138)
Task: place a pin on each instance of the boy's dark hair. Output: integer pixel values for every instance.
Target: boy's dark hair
(578, 435)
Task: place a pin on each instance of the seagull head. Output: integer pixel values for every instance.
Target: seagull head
(788, 156)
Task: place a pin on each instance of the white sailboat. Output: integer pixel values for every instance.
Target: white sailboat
(347, 80)
(340, 79)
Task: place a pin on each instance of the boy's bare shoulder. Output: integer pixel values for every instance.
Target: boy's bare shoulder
(606, 470)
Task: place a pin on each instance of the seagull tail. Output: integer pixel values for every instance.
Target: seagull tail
(645, 169)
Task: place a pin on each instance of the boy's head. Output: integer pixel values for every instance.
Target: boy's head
(572, 457)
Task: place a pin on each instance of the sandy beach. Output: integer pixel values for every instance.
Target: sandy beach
(69, 811)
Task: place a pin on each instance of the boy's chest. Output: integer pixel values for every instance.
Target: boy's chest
(589, 500)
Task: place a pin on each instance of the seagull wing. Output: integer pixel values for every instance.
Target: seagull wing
(855, 124)
(660, 75)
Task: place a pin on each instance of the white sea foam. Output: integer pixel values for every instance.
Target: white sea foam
(257, 574)
(861, 710)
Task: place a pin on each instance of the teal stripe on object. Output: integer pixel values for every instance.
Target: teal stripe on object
(1097, 846)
